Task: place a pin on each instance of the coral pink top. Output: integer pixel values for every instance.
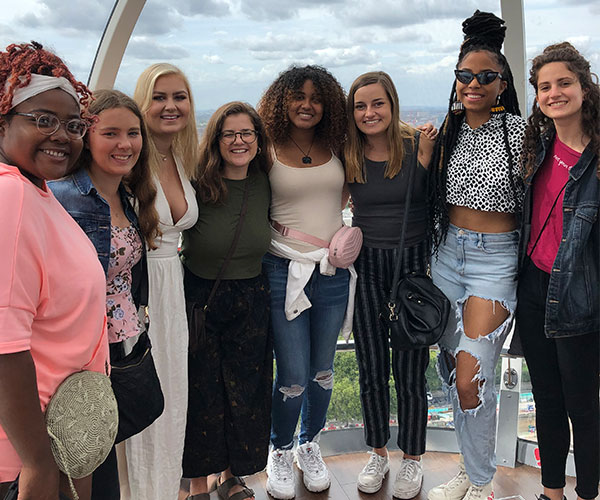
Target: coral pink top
(52, 293)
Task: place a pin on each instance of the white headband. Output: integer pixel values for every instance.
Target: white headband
(42, 83)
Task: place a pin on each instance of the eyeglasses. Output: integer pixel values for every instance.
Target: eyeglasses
(484, 78)
(247, 136)
(48, 124)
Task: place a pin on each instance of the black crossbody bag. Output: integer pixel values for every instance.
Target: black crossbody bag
(416, 312)
(136, 385)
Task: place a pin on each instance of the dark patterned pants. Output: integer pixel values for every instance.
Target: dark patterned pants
(230, 378)
(375, 268)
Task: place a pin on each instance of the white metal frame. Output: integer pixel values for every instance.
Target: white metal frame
(514, 47)
(113, 43)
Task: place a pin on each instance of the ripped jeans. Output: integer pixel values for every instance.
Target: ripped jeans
(304, 351)
(472, 264)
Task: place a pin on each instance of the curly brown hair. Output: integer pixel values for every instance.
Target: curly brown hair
(210, 186)
(273, 105)
(538, 123)
(19, 61)
(139, 181)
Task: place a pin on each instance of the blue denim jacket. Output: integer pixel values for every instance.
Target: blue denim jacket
(573, 299)
(79, 197)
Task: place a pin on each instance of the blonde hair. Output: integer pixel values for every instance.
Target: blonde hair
(354, 148)
(185, 144)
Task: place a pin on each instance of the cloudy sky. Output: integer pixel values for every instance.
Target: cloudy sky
(233, 49)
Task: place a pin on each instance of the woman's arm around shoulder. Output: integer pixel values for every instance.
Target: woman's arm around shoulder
(425, 150)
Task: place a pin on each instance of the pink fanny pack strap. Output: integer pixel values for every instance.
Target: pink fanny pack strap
(299, 235)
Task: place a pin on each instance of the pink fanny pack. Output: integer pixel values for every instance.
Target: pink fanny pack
(344, 246)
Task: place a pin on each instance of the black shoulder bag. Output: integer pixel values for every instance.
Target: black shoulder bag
(136, 385)
(416, 312)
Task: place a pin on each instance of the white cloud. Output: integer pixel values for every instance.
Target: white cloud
(398, 13)
(146, 49)
(61, 15)
(214, 59)
(334, 57)
(430, 69)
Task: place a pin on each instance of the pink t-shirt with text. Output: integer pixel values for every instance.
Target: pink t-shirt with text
(549, 181)
(52, 293)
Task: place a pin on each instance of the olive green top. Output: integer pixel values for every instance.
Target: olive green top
(206, 244)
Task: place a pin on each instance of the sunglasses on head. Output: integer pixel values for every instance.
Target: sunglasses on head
(484, 78)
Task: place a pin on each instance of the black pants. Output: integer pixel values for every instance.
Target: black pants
(105, 480)
(564, 375)
(230, 378)
(375, 268)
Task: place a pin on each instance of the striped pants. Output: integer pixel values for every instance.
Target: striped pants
(375, 268)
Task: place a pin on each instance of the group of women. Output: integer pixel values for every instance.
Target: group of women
(513, 214)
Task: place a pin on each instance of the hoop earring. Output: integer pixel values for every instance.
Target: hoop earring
(457, 107)
(498, 108)
(259, 150)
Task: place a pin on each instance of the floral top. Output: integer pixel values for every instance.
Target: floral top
(121, 313)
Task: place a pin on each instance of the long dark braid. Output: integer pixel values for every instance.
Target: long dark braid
(483, 31)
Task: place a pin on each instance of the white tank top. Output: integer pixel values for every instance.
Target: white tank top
(308, 199)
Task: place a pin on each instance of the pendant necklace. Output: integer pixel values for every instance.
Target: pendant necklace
(306, 159)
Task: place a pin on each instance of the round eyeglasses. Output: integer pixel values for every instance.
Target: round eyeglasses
(48, 124)
(247, 136)
(484, 78)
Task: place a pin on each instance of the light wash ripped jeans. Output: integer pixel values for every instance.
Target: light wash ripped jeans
(472, 264)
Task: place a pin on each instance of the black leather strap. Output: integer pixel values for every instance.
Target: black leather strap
(411, 178)
(236, 238)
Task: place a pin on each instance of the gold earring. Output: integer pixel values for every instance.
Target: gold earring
(498, 108)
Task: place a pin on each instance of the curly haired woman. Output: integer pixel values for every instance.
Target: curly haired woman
(558, 315)
(304, 115)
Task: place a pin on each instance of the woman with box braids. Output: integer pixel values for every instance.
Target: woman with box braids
(475, 194)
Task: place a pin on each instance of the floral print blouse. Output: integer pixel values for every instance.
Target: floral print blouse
(121, 314)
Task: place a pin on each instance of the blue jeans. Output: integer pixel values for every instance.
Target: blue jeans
(304, 351)
(484, 265)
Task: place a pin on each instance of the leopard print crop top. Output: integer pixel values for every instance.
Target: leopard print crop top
(478, 175)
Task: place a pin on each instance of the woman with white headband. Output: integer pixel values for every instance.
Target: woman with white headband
(52, 291)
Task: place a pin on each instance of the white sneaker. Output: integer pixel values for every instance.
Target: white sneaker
(409, 479)
(280, 474)
(485, 492)
(455, 489)
(371, 477)
(315, 474)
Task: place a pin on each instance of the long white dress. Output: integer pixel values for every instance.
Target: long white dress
(154, 456)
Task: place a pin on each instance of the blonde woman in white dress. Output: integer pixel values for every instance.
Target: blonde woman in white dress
(152, 469)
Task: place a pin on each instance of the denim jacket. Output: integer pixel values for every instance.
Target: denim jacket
(573, 298)
(79, 197)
